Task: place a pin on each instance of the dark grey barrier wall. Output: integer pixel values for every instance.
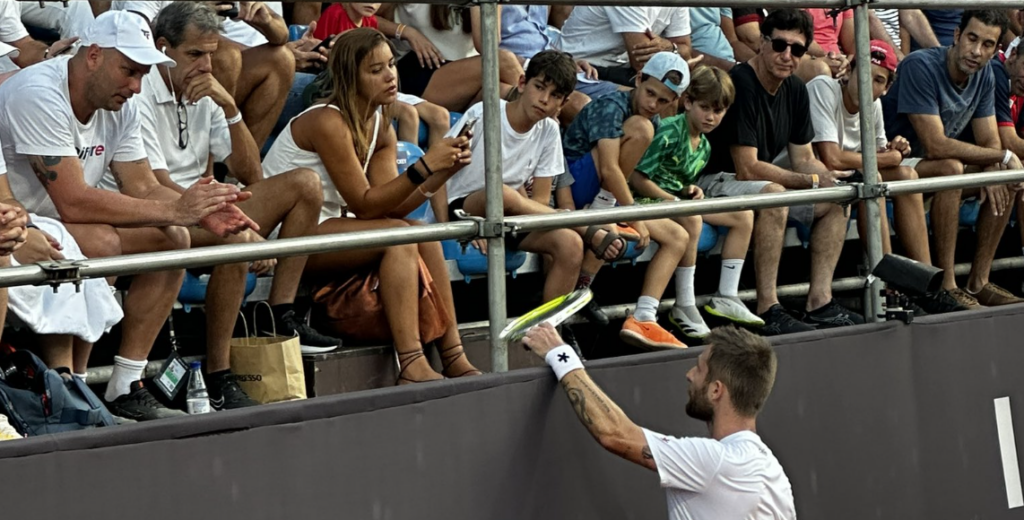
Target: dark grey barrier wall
(881, 421)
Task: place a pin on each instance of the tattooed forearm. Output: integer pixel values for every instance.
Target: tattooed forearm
(43, 168)
(579, 403)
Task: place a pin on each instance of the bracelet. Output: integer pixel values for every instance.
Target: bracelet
(398, 31)
(30, 225)
(563, 360)
(425, 193)
(1007, 157)
(430, 173)
(414, 175)
(235, 120)
(814, 181)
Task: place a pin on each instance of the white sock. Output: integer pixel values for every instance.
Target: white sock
(603, 200)
(729, 281)
(684, 286)
(83, 377)
(126, 371)
(646, 309)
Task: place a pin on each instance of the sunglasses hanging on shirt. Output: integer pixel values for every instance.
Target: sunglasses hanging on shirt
(182, 112)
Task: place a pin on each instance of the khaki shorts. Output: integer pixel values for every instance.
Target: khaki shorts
(725, 185)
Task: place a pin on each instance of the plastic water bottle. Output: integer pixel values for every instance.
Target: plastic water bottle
(197, 397)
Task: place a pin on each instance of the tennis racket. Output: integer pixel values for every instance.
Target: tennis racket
(554, 312)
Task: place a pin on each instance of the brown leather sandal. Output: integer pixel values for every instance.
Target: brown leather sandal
(404, 360)
(452, 354)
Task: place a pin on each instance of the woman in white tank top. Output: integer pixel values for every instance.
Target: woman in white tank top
(353, 148)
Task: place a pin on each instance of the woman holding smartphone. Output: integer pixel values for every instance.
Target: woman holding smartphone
(347, 140)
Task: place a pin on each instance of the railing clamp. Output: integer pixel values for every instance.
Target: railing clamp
(62, 272)
(484, 229)
(872, 191)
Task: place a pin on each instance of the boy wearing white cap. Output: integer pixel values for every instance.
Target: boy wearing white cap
(66, 122)
(603, 146)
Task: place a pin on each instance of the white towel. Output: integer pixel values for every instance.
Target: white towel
(87, 314)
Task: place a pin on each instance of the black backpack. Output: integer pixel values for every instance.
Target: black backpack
(38, 400)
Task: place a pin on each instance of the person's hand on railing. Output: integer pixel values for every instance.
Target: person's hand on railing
(829, 179)
(12, 228)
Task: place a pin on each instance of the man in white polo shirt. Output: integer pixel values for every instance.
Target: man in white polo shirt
(65, 123)
(731, 475)
(188, 122)
(252, 62)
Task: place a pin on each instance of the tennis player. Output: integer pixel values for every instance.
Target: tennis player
(732, 475)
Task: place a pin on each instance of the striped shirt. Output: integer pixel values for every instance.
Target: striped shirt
(890, 18)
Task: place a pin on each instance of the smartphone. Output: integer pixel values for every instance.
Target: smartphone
(324, 44)
(230, 13)
(468, 127)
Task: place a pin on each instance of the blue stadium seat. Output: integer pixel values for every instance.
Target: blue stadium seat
(193, 289)
(474, 263)
(709, 237)
(969, 210)
(295, 32)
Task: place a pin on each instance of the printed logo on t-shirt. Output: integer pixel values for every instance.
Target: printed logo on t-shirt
(90, 151)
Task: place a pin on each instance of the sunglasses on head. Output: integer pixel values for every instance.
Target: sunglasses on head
(779, 45)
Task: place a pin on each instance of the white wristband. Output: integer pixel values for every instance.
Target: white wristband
(563, 360)
(235, 120)
(1007, 157)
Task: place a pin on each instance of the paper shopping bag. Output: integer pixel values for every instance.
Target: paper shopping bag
(268, 369)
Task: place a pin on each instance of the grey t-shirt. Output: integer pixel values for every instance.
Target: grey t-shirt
(923, 86)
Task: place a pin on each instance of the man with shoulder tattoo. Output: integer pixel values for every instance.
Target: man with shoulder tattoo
(731, 475)
(65, 123)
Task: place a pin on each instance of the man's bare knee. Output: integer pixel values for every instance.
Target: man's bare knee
(638, 127)
(101, 240)
(306, 185)
(904, 173)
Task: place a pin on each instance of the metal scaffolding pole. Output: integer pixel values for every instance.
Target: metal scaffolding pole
(495, 213)
(873, 305)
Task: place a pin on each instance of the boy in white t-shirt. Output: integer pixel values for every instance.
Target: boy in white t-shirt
(733, 474)
(531, 147)
(252, 61)
(188, 122)
(68, 121)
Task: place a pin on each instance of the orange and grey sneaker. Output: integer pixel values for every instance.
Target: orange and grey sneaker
(648, 335)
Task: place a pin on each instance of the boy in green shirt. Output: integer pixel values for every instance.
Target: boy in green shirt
(668, 172)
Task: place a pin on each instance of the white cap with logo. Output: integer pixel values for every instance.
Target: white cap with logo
(8, 50)
(662, 63)
(129, 34)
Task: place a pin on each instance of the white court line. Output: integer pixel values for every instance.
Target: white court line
(1008, 450)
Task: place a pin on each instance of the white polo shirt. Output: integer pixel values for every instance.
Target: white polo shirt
(594, 33)
(37, 119)
(207, 130)
(11, 30)
(235, 30)
(737, 478)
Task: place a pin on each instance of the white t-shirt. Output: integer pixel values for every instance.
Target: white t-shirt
(37, 120)
(737, 478)
(77, 18)
(595, 33)
(11, 30)
(235, 30)
(538, 153)
(207, 130)
(833, 123)
(454, 44)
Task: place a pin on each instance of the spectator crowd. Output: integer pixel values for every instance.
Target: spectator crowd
(133, 127)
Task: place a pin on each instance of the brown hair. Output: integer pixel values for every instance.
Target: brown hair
(446, 17)
(555, 68)
(713, 86)
(348, 53)
(745, 363)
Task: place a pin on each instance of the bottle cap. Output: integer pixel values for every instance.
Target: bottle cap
(195, 365)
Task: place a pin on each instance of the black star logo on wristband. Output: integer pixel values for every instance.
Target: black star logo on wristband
(564, 358)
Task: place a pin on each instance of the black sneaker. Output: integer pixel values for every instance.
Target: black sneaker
(833, 315)
(225, 394)
(777, 321)
(912, 306)
(938, 302)
(310, 340)
(593, 313)
(140, 405)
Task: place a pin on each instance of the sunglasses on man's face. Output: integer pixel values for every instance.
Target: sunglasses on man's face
(779, 45)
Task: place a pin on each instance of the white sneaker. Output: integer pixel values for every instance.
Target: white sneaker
(732, 309)
(689, 321)
(7, 432)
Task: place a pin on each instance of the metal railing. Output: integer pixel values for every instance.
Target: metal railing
(495, 225)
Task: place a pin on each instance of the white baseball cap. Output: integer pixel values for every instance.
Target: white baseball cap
(662, 63)
(1013, 45)
(129, 33)
(8, 50)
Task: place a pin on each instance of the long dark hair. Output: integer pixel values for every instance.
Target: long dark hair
(348, 53)
(446, 17)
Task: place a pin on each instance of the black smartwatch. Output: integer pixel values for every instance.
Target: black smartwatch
(414, 175)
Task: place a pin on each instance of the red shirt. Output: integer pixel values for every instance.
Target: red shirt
(335, 20)
(827, 29)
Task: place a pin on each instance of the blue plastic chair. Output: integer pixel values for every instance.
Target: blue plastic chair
(474, 263)
(709, 237)
(193, 289)
(295, 32)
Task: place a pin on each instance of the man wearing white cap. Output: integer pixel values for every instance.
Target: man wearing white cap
(603, 145)
(66, 122)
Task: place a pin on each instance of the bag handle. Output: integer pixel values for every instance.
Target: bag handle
(245, 324)
(273, 323)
